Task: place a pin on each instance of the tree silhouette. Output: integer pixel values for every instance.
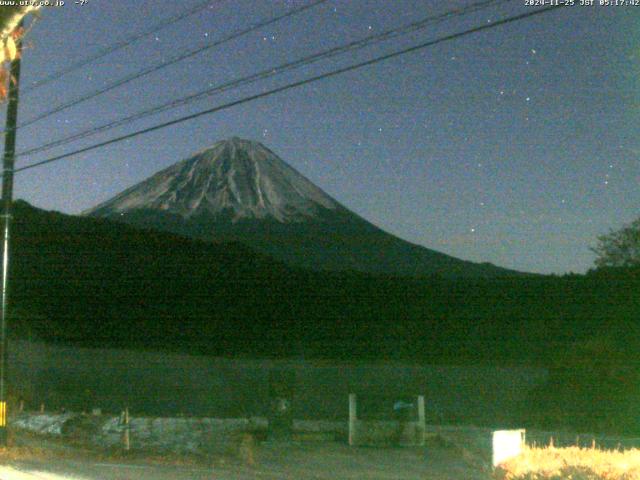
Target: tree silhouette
(619, 248)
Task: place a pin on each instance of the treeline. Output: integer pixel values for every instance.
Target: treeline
(93, 282)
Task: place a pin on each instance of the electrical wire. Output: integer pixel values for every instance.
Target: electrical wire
(290, 86)
(116, 46)
(269, 72)
(171, 61)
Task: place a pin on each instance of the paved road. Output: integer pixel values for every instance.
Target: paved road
(273, 462)
(72, 470)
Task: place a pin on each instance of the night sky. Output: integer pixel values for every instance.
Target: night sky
(518, 145)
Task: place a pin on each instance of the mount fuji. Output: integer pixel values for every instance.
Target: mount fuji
(239, 190)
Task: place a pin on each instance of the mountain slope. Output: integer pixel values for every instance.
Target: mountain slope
(239, 190)
(100, 283)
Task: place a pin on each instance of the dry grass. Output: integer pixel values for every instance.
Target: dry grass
(13, 453)
(575, 463)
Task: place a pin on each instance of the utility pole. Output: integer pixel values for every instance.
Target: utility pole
(7, 199)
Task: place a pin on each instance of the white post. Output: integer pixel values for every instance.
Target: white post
(422, 423)
(126, 434)
(506, 445)
(353, 416)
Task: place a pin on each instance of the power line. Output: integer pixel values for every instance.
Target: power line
(290, 86)
(176, 59)
(269, 72)
(117, 46)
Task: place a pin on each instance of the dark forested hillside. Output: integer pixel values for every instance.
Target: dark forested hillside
(97, 283)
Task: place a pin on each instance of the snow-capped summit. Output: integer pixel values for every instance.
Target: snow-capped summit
(239, 178)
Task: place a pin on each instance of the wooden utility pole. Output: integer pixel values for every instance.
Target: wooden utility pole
(7, 199)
